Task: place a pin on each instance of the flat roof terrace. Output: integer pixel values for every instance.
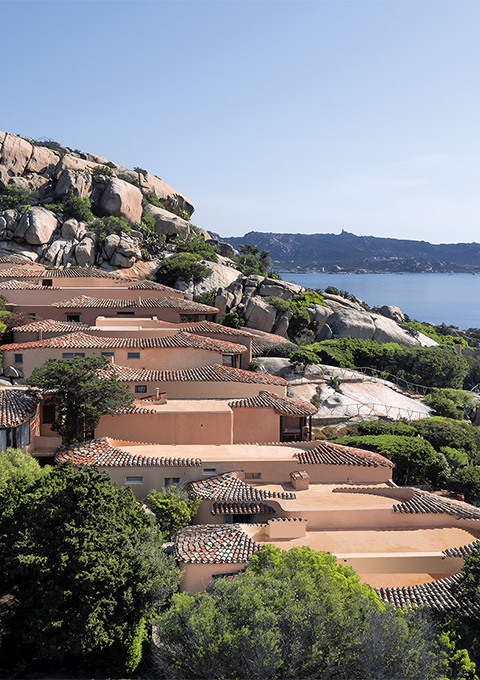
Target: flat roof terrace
(322, 496)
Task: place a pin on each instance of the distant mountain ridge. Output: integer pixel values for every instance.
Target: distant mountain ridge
(351, 253)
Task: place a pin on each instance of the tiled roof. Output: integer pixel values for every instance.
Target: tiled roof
(285, 406)
(14, 259)
(71, 272)
(228, 487)
(436, 594)
(214, 544)
(150, 285)
(241, 509)
(212, 327)
(213, 373)
(13, 284)
(327, 453)
(424, 502)
(85, 341)
(53, 326)
(16, 407)
(260, 344)
(464, 550)
(102, 452)
(85, 301)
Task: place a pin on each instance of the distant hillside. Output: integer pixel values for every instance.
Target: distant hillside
(348, 252)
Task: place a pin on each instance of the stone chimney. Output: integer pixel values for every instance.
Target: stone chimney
(300, 480)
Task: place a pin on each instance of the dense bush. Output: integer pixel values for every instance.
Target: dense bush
(415, 459)
(79, 208)
(442, 432)
(304, 358)
(197, 245)
(300, 322)
(452, 403)
(469, 478)
(232, 319)
(151, 197)
(251, 260)
(105, 226)
(282, 350)
(173, 508)
(12, 197)
(182, 265)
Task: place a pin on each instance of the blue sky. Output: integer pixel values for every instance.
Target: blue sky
(283, 116)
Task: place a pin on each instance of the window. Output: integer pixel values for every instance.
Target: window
(72, 355)
(18, 358)
(227, 359)
(140, 389)
(48, 414)
(47, 282)
(253, 475)
(125, 313)
(187, 318)
(73, 317)
(133, 480)
(168, 481)
(107, 354)
(133, 355)
(209, 471)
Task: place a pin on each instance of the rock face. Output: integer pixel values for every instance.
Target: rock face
(49, 175)
(391, 312)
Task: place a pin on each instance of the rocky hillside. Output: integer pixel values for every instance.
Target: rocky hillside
(351, 253)
(51, 200)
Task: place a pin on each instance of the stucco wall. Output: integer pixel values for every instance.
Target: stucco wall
(206, 390)
(196, 577)
(169, 428)
(259, 425)
(162, 358)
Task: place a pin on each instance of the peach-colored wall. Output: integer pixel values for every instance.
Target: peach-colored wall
(434, 563)
(46, 296)
(84, 285)
(205, 390)
(163, 358)
(88, 315)
(196, 577)
(259, 425)
(169, 427)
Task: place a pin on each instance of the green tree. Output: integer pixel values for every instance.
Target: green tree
(173, 508)
(80, 397)
(182, 265)
(294, 614)
(79, 208)
(469, 478)
(304, 357)
(197, 245)
(81, 568)
(232, 320)
(16, 465)
(251, 260)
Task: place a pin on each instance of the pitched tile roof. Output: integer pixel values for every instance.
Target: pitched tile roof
(260, 344)
(71, 272)
(464, 550)
(436, 594)
(213, 373)
(228, 487)
(14, 259)
(214, 544)
(150, 285)
(212, 327)
(285, 406)
(13, 284)
(86, 301)
(53, 326)
(16, 407)
(102, 452)
(327, 453)
(424, 502)
(84, 341)
(241, 509)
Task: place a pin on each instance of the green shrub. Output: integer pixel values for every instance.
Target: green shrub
(304, 357)
(455, 457)
(442, 432)
(173, 508)
(151, 197)
(207, 298)
(182, 265)
(469, 477)
(79, 208)
(282, 350)
(104, 170)
(451, 403)
(232, 320)
(105, 226)
(198, 246)
(13, 198)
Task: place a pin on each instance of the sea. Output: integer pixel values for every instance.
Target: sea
(453, 299)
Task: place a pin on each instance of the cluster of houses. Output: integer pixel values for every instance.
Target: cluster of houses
(233, 436)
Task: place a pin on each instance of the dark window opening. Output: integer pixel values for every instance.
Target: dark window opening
(18, 358)
(125, 313)
(48, 414)
(47, 282)
(140, 389)
(73, 317)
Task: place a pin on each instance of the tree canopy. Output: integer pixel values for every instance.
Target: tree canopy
(81, 569)
(173, 508)
(294, 614)
(79, 395)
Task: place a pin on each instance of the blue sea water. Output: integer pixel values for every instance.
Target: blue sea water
(450, 298)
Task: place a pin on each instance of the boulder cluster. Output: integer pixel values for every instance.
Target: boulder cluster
(337, 318)
(50, 175)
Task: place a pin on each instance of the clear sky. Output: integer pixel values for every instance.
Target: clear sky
(301, 116)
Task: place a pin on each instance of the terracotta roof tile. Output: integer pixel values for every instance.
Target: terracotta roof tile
(327, 453)
(424, 503)
(241, 509)
(214, 544)
(436, 594)
(285, 406)
(14, 259)
(151, 285)
(102, 452)
(13, 284)
(212, 327)
(260, 344)
(71, 272)
(464, 550)
(16, 407)
(84, 341)
(213, 373)
(228, 487)
(53, 326)
(86, 301)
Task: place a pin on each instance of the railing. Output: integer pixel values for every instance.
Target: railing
(392, 412)
(374, 374)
